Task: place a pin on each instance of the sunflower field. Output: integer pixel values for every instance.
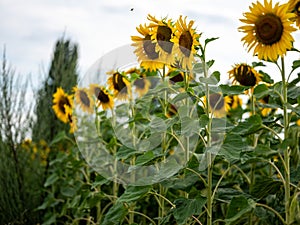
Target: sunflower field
(155, 136)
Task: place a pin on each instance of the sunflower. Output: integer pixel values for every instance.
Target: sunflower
(61, 102)
(268, 30)
(235, 102)
(72, 120)
(218, 104)
(83, 98)
(171, 110)
(265, 111)
(294, 7)
(119, 85)
(141, 83)
(102, 97)
(161, 34)
(244, 75)
(146, 49)
(186, 40)
(175, 75)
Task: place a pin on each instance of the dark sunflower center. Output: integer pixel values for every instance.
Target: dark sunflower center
(177, 78)
(266, 99)
(216, 101)
(268, 29)
(139, 83)
(102, 97)
(70, 118)
(245, 76)
(149, 48)
(297, 8)
(120, 83)
(96, 91)
(62, 102)
(186, 43)
(164, 35)
(84, 98)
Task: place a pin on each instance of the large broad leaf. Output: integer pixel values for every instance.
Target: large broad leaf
(249, 126)
(261, 90)
(293, 92)
(232, 89)
(265, 186)
(232, 147)
(238, 207)
(182, 182)
(133, 193)
(212, 80)
(185, 208)
(115, 214)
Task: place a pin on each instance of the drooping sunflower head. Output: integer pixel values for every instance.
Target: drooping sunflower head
(245, 75)
(119, 85)
(101, 96)
(162, 32)
(145, 50)
(218, 104)
(84, 100)
(186, 39)
(294, 7)
(268, 30)
(61, 102)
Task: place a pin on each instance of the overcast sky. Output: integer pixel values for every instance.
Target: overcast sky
(30, 28)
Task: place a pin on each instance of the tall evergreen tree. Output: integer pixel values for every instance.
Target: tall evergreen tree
(62, 73)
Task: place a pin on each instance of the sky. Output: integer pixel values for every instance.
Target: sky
(29, 29)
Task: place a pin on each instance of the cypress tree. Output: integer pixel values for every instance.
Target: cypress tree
(62, 73)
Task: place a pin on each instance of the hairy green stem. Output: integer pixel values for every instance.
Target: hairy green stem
(286, 150)
(208, 154)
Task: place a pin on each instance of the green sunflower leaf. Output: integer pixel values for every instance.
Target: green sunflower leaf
(115, 214)
(232, 89)
(232, 147)
(133, 193)
(265, 186)
(238, 207)
(145, 158)
(210, 63)
(293, 92)
(185, 208)
(51, 179)
(261, 90)
(249, 126)
(198, 68)
(255, 64)
(210, 40)
(296, 64)
(217, 75)
(266, 77)
(212, 80)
